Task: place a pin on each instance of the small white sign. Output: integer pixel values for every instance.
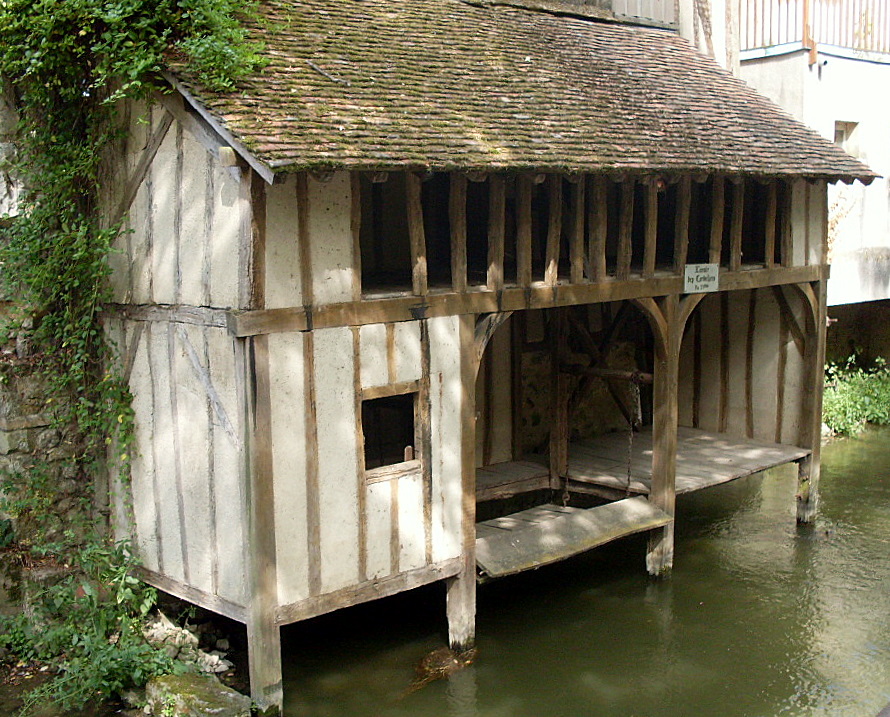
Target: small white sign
(701, 278)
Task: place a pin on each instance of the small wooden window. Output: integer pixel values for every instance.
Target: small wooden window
(388, 430)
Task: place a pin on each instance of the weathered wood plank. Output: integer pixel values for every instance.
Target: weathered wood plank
(769, 245)
(735, 226)
(565, 532)
(406, 308)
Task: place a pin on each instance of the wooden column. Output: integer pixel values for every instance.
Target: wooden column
(263, 635)
(559, 402)
(770, 229)
(524, 231)
(576, 247)
(597, 222)
(735, 226)
(681, 223)
(457, 215)
(625, 229)
(416, 234)
(496, 202)
(667, 318)
(461, 589)
(554, 228)
(651, 237)
(718, 210)
(809, 468)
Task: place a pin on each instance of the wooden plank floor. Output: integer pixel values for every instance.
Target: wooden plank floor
(549, 533)
(502, 480)
(704, 459)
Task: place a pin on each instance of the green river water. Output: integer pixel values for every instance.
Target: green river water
(760, 618)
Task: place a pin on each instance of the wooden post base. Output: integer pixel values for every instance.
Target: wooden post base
(264, 658)
(660, 552)
(807, 489)
(461, 608)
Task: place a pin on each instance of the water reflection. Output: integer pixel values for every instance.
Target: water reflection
(760, 618)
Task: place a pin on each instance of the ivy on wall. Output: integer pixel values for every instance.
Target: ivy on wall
(66, 65)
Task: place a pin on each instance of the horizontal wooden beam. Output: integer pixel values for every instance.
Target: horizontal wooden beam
(391, 389)
(195, 315)
(214, 603)
(539, 296)
(371, 590)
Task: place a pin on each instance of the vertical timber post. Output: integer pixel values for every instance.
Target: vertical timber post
(809, 468)
(461, 589)
(263, 634)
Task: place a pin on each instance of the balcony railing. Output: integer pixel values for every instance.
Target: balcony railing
(859, 25)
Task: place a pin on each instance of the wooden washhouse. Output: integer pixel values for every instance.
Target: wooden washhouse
(453, 290)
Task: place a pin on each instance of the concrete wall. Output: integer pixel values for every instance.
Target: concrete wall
(843, 89)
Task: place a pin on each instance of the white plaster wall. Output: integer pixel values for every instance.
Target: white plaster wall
(445, 401)
(283, 287)
(330, 232)
(183, 228)
(289, 465)
(846, 90)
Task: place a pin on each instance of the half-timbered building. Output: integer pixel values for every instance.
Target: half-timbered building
(452, 290)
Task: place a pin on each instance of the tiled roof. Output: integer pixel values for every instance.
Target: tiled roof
(448, 84)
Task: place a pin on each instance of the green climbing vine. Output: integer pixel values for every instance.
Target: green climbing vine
(67, 65)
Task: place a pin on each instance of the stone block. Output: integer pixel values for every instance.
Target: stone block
(192, 695)
(13, 441)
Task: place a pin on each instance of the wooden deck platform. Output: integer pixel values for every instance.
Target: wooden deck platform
(704, 459)
(549, 533)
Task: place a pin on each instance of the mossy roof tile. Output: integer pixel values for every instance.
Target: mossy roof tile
(444, 84)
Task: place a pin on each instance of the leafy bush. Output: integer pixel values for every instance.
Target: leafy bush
(90, 625)
(855, 396)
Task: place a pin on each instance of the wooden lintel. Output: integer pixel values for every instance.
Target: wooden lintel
(371, 590)
(457, 216)
(735, 226)
(416, 234)
(390, 389)
(651, 235)
(539, 296)
(496, 219)
(597, 221)
(554, 229)
(625, 228)
(718, 209)
(681, 223)
(576, 244)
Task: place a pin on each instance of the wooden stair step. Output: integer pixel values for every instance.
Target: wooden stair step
(548, 534)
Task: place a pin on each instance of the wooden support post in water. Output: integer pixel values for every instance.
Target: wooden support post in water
(559, 428)
(809, 468)
(461, 589)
